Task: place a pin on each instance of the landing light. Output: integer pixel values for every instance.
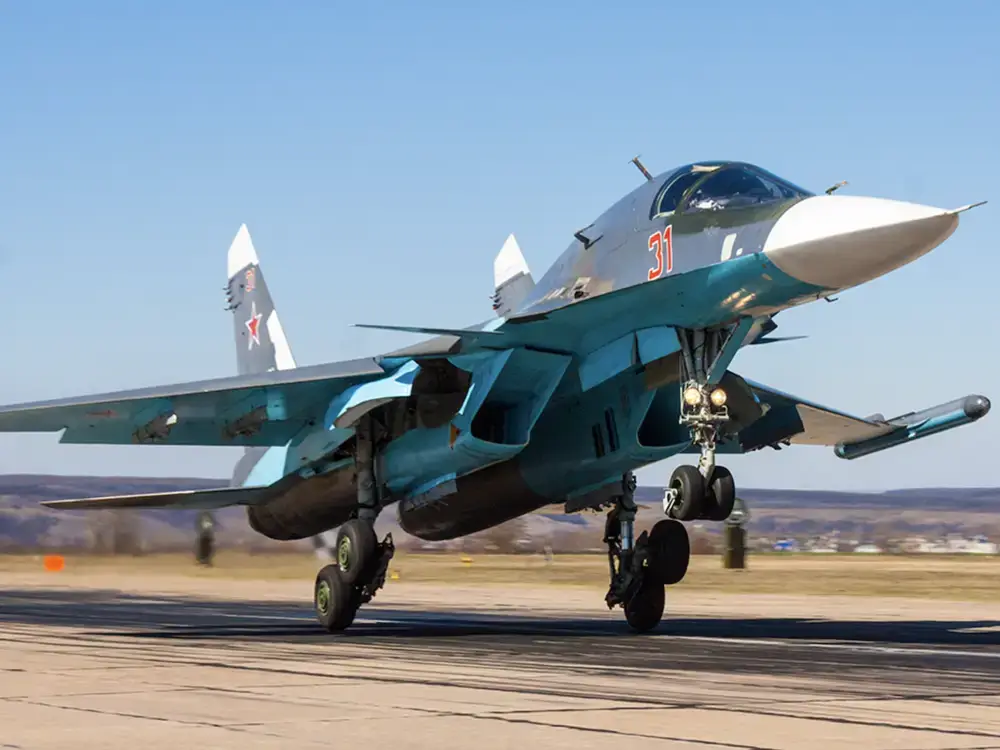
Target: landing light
(692, 396)
(718, 397)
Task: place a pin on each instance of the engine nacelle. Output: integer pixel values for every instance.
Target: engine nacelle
(307, 508)
(464, 416)
(451, 509)
(471, 503)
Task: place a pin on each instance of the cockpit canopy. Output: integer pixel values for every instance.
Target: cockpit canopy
(712, 186)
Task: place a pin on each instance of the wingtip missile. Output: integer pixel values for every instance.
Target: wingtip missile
(919, 424)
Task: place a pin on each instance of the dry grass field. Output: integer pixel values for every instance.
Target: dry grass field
(965, 578)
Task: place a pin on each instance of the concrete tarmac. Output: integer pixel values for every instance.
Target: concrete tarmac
(85, 667)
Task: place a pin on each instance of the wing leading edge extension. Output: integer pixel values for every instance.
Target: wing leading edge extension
(789, 419)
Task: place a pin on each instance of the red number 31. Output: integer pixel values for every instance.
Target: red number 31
(657, 240)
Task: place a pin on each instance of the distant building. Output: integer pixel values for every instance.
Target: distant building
(983, 546)
(868, 549)
(978, 545)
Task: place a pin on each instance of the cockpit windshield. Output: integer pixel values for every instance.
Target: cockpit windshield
(718, 185)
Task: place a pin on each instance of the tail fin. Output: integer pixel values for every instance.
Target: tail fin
(511, 278)
(261, 345)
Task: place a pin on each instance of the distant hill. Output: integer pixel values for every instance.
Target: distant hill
(974, 500)
(24, 524)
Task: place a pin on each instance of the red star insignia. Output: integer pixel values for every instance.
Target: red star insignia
(253, 325)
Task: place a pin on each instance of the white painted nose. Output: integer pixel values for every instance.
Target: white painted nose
(837, 242)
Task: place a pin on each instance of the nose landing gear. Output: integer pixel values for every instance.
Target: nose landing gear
(706, 491)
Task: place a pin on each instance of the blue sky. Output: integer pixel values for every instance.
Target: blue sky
(380, 153)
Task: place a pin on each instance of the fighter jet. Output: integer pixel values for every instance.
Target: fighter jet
(619, 356)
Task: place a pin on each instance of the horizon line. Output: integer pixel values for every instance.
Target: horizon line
(641, 486)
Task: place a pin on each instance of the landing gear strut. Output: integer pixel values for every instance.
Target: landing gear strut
(706, 491)
(641, 568)
(361, 560)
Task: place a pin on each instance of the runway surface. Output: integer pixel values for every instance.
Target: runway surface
(88, 668)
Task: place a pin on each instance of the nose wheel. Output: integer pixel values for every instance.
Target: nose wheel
(690, 496)
(720, 495)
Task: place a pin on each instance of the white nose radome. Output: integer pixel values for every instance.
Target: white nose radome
(836, 242)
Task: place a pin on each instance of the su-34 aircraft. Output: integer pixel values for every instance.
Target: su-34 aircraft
(618, 357)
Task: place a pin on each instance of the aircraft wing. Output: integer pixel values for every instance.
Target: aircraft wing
(261, 409)
(795, 420)
(820, 425)
(219, 497)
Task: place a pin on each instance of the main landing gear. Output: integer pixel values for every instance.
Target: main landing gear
(641, 568)
(706, 491)
(361, 560)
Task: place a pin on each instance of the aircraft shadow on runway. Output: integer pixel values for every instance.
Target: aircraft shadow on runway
(164, 617)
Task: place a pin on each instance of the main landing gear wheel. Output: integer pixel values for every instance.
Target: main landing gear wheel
(688, 487)
(644, 610)
(669, 553)
(640, 568)
(357, 550)
(336, 601)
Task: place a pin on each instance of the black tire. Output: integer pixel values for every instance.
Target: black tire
(669, 552)
(690, 486)
(357, 548)
(720, 494)
(335, 601)
(645, 610)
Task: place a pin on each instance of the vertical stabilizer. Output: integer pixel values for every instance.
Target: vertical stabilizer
(512, 279)
(261, 346)
(260, 341)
